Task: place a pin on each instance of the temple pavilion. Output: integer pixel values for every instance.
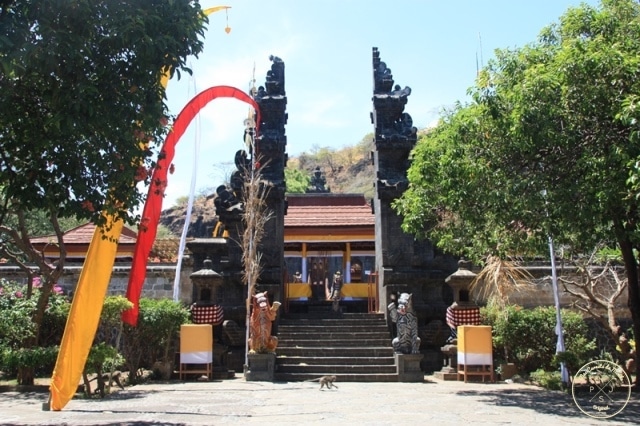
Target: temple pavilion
(325, 234)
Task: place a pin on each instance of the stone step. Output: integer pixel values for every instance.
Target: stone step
(318, 330)
(357, 352)
(355, 347)
(332, 321)
(329, 315)
(301, 377)
(337, 360)
(346, 342)
(335, 369)
(328, 337)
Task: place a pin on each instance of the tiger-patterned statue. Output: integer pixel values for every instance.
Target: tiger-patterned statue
(262, 314)
(407, 341)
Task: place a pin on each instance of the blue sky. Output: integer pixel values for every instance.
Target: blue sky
(432, 46)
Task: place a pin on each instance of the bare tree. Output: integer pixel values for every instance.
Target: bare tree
(596, 290)
(255, 217)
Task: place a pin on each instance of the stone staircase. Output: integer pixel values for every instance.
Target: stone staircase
(355, 347)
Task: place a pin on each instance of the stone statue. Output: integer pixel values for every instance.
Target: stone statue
(336, 287)
(275, 77)
(262, 315)
(407, 340)
(226, 200)
(317, 182)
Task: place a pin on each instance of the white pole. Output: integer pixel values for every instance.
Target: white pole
(556, 297)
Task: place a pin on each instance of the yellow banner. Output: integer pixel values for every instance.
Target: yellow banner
(84, 315)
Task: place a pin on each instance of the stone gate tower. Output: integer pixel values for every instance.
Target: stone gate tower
(404, 264)
(271, 143)
(267, 148)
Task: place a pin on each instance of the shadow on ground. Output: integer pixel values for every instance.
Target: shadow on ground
(547, 402)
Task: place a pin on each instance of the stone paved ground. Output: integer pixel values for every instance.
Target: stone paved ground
(239, 402)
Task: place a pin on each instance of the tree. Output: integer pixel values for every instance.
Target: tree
(83, 111)
(547, 147)
(297, 181)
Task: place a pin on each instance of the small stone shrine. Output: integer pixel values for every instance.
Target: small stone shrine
(462, 311)
(206, 310)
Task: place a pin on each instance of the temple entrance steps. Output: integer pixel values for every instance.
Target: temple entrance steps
(355, 347)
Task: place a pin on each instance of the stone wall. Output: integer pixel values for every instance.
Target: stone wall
(157, 285)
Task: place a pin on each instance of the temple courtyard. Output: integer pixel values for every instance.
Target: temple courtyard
(237, 401)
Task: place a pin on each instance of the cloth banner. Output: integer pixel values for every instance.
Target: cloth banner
(153, 205)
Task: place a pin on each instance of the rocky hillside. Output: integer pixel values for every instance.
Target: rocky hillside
(347, 170)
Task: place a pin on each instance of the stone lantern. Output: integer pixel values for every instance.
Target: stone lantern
(463, 311)
(206, 282)
(460, 282)
(207, 310)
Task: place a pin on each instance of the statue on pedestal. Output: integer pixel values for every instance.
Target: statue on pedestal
(407, 340)
(262, 315)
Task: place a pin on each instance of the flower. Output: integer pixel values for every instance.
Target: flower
(88, 205)
(141, 174)
(36, 282)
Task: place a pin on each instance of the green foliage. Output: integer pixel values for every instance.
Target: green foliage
(155, 337)
(527, 337)
(548, 146)
(17, 328)
(15, 314)
(346, 170)
(38, 223)
(539, 150)
(17, 310)
(41, 359)
(551, 380)
(83, 113)
(297, 181)
(102, 357)
(65, 65)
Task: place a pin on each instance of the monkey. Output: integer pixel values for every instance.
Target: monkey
(327, 381)
(105, 380)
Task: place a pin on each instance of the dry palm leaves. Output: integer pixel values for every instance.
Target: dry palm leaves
(499, 279)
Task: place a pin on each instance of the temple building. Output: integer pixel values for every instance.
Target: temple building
(77, 241)
(326, 234)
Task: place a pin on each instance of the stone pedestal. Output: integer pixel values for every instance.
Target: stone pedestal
(262, 368)
(408, 367)
(449, 370)
(220, 370)
(507, 370)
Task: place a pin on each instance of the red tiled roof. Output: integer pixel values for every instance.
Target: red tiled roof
(328, 210)
(83, 234)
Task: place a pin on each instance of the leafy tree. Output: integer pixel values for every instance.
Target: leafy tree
(297, 181)
(82, 111)
(548, 146)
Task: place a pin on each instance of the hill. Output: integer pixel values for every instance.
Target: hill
(346, 170)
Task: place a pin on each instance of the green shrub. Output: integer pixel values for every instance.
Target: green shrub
(17, 328)
(41, 359)
(16, 312)
(155, 338)
(547, 379)
(527, 337)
